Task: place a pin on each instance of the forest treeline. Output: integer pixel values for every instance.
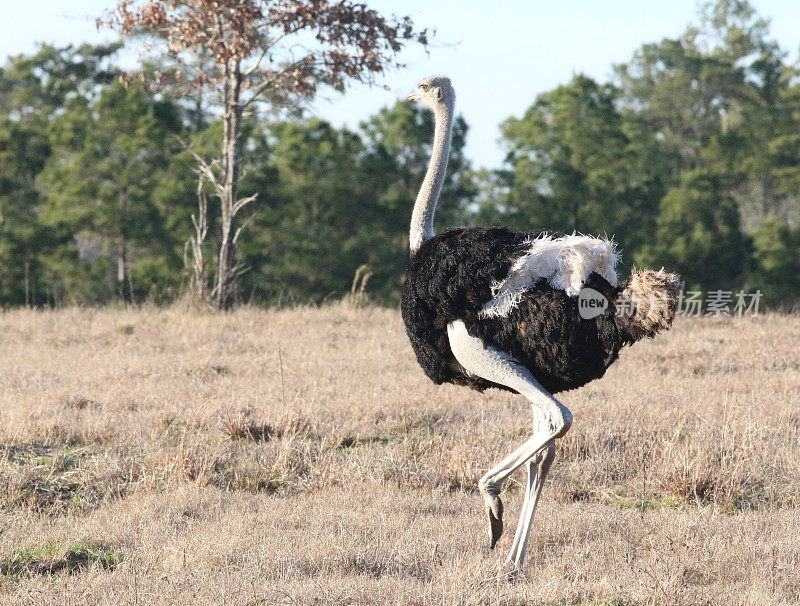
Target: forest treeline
(689, 156)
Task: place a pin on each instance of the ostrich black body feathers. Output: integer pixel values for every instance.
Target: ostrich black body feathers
(450, 278)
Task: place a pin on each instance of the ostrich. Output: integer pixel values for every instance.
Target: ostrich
(493, 307)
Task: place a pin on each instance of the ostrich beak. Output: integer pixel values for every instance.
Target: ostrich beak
(416, 95)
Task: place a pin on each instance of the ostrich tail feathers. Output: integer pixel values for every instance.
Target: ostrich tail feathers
(647, 304)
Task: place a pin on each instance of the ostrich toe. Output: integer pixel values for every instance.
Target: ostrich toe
(494, 510)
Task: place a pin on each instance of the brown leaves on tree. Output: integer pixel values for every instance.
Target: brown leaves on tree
(243, 51)
(338, 40)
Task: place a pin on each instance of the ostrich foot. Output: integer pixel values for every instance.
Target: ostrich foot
(508, 570)
(512, 571)
(494, 511)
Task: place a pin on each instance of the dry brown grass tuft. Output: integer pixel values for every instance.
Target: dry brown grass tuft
(241, 428)
(301, 456)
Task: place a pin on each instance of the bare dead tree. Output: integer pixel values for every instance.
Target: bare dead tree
(243, 53)
(198, 281)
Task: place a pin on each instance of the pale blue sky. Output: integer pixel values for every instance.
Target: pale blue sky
(500, 55)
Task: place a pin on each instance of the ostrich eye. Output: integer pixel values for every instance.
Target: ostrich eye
(424, 87)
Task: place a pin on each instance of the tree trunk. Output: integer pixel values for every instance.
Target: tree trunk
(27, 284)
(129, 269)
(198, 282)
(124, 272)
(225, 290)
(121, 274)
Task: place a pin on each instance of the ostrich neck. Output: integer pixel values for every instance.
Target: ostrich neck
(425, 206)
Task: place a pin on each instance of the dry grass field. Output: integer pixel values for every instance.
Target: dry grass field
(301, 457)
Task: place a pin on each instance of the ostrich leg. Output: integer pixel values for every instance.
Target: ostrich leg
(551, 420)
(538, 467)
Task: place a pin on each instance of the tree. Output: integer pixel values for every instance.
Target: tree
(33, 91)
(776, 269)
(319, 223)
(715, 98)
(572, 166)
(698, 234)
(39, 84)
(107, 161)
(693, 88)
(243, 52)
(721, 113)
(24, 149)
(338, 200)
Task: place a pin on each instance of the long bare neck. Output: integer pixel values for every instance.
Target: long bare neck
(425, 206)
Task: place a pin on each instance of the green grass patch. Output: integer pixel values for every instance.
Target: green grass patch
(54, 557)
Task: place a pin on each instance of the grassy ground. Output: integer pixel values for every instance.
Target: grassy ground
(301, 457)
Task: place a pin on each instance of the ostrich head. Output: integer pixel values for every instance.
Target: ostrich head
(436, 92)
